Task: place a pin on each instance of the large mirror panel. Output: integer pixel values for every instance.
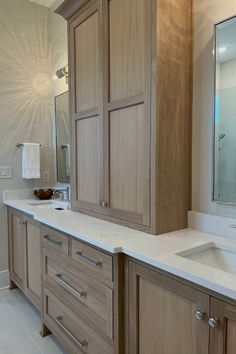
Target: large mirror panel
(62, 137)
(225, 112)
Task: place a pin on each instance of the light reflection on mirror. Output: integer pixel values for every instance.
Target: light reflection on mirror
(62, 137)
(225, 112)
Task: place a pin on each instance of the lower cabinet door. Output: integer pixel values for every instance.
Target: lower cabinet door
(164, 315)
(223, 327)
(33, 263)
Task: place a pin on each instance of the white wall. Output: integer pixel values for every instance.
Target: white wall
(207, 13)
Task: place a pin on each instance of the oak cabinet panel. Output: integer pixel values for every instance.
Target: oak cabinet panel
(17, 245)
(33, 265)
(87, 63)
(25, 255)
(129, 164)
(88, 160)
(223, 336)
(161, 315)
(126, 43)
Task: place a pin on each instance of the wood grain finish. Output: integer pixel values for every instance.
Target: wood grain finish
(127, 36)
(54, 309)
(95, 306)
(18, 243)
(174, 31)
(88, 160)
(129, 162)
(87, 64)
(87, 257)
(161, 315)
(33, 254)
(144, 58)
(223, 337)
(54, 239)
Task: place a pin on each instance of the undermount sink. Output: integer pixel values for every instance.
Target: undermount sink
(50, 204)
(214, 255)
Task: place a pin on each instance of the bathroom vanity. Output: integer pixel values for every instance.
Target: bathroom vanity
(105, 288)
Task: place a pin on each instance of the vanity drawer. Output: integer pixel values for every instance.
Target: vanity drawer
(96, 262)
(73, 332)
(55, 239)
(89, 298)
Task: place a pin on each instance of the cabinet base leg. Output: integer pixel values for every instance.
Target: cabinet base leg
(12, 285)
(44, 330)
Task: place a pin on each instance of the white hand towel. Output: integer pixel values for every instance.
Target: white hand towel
(31, 161)
(67, 156)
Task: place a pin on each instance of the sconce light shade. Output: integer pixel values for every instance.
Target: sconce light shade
(63, 72)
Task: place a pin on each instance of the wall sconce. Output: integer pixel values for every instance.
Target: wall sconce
(63, 72)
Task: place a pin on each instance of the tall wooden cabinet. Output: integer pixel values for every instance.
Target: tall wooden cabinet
(130, 93)
(25, 255)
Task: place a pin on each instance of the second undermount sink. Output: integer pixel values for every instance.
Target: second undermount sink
(214, 255)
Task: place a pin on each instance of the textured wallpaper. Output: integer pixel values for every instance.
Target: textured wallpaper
(26, 94)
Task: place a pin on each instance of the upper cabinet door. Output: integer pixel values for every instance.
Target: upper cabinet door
(127, 48)
(128, 112)
(86, 103)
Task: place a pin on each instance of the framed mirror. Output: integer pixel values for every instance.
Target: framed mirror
(225, 112)
(62, 137)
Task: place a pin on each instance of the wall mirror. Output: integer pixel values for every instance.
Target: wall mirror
(225, 112)
(62, 137)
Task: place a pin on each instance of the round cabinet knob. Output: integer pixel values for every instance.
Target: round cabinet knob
(104, 204)
(199, 315)
(99, 203)
(213, 322)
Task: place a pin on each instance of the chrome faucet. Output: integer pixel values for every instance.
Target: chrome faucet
(64, 194)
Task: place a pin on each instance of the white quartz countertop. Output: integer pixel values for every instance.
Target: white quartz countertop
(159, 251)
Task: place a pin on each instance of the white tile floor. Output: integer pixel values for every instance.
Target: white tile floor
(20, 326)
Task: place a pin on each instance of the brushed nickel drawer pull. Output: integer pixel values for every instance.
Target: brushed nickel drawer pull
(88, 260)
(80, 344)
(21, 221)
(63, 282)
(57, 243)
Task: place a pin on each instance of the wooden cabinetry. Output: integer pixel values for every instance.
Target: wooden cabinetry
(82, 293)
(130, 94)
(167, 316)
(25, 255)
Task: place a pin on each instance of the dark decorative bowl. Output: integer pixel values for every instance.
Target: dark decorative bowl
(43, 194)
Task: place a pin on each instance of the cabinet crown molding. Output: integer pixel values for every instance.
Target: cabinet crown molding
(69, 7)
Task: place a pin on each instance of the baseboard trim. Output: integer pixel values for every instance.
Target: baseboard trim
(4, 279)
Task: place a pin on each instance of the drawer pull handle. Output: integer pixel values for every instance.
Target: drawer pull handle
(57, 243)
(59, 278)
(80, 344)
(21, 221)
(88, 260)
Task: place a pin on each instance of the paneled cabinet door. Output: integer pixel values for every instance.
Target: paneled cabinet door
(223, 335)
(33, 263)
(162, 315)
(127, 112)
(17, 243)
(85, 34)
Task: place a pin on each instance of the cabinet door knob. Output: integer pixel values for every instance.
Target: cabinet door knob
(199, 315)
(213, 322)
(99, 203)
(104, 204)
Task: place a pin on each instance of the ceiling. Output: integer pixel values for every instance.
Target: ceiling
(47, 3)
